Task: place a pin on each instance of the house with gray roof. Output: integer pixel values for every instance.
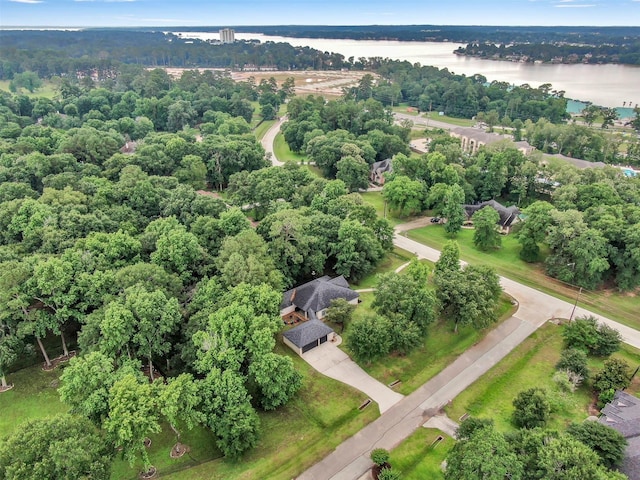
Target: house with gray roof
(471, 139)
(378, 169)
(508, 215)
(307, 336)
(623, 415)
(314, 297)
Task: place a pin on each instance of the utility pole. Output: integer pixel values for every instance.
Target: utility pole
(575, 305)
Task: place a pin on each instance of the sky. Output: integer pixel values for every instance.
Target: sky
(115, 13)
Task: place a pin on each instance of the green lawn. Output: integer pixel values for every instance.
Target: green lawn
(33, 396)
(532, 364)
(284, 153)
(418, 457)
(620, 307)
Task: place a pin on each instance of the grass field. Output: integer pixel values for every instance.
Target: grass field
(532, 364)
(418, 457)
(620, 307)
(48, 89)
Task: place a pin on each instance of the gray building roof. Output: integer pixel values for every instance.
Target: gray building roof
(307, 332)
(507, 214)
(623, 415)
(317, 294)
(576, 162)
(479, 135)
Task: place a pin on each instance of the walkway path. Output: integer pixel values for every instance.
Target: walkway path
(350, 460)
(329, 360)
(269, 138)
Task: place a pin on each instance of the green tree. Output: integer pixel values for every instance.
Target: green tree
(28, 80)
(449, 260)
(404, 194)
(485, 235)
(566, 458)
(340, 312)
(369, 338)
(85, 385)
(58, 448)
(484, 455)
(244, 258)
(228, 412)
(587, 334)
(532, 408)
(406, 296)
(133, 415)
(354, 172)
(178, 401)
(357, 250)
(534, 229)
(276, 378)
(469, 296)
(179, 252)
(452, 209)
(615, 375)
(608, 443)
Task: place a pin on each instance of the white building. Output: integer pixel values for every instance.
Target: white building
(227, 35)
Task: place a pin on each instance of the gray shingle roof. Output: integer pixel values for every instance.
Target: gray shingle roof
(623, 415)
(307, 332)
(507, 214)
(317, 294)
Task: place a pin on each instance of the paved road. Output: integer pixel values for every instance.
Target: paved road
(268, 139)
(329, 360)
(350, 460)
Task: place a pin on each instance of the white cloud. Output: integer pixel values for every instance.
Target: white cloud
(27, 1)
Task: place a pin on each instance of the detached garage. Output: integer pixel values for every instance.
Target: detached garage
(307, 336)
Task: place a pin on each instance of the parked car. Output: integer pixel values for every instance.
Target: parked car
(436, 219)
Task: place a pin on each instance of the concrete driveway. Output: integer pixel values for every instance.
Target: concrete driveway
(329, 360)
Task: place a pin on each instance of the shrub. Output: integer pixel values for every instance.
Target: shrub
(379, 456)
(586, 334)
(388, 474)
(615, 375)
(575, 361)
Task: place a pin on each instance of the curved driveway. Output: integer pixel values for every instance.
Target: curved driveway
(268, 139)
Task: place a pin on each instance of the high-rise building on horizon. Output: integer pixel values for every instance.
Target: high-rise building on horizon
(227, 35)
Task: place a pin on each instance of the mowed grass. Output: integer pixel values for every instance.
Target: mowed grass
(418, 458)
(532, 364)
(34, 396)
(617, 306)
(440, 348)
(284, 153)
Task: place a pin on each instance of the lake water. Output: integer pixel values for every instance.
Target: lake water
(606, 85)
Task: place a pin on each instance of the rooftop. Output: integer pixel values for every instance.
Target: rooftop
(307, 332)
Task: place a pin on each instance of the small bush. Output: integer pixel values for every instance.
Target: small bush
(532, 408)
(586, 334)
(379, 456)
(388, 474)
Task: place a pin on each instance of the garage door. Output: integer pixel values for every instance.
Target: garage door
(323, 339)
(309, 346)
